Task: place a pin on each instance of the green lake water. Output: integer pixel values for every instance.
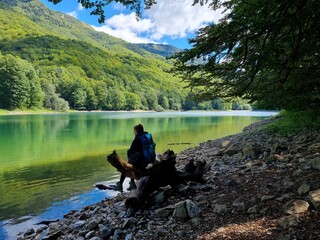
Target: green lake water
(50, 163)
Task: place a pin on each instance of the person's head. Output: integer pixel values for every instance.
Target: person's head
(138, 129)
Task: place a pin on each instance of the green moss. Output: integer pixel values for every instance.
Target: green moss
(295, 122)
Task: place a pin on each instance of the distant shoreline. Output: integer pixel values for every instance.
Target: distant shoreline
(46, 111)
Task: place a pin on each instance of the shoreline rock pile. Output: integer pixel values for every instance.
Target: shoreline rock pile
(259, 186)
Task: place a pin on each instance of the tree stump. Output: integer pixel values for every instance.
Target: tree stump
(162, 174)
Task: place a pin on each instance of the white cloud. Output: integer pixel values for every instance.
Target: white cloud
(128, 28)
(178, 18)
(80, 7)
(172, 18)
(75, 12)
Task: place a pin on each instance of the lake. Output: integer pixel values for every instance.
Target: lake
(49, 163)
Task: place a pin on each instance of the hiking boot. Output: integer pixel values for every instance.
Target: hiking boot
(118, 187)
(132, 185)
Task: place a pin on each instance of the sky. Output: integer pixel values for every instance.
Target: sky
(168, 22)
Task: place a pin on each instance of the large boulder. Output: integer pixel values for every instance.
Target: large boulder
(180, 210)
(185, 209)
(315, 198)
(192, 209)
(165, 212)
(295, 207)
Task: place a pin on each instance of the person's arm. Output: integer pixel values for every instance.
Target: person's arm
(134, 147)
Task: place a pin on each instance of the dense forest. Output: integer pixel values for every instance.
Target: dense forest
(51, 60)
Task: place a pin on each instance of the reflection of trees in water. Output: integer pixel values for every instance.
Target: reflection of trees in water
(32, 189)
(44, 138)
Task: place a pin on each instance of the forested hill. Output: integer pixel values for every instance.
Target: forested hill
(161, 49)
(49, 59)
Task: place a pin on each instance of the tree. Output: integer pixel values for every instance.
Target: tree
(78, 96)
(98, 6)
(52, 100)
(116, 100)
(133, 101)
(267, 50)
(152, 99)
(19, 84)
(163, 101)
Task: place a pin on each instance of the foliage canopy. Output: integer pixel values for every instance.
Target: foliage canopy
(266, 51)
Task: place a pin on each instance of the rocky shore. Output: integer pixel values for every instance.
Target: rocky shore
(259, 186)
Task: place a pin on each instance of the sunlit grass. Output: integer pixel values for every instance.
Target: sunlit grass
(27, 111)
(3, 112)
(291, 122)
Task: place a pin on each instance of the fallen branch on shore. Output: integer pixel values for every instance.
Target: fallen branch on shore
(162, 174)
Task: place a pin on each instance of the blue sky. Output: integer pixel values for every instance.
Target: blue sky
(169, 21)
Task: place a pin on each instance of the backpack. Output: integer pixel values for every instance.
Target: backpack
(149, 148)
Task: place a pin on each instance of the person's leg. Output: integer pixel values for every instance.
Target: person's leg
(132, 185)
(122, 178)
(120, 183)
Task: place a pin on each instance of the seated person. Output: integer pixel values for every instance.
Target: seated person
(140, 154)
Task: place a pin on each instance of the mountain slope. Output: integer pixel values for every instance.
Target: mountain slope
(90, 70)
(161, 49)
(68, 27)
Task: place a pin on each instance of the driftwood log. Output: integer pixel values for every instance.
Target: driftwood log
(162, 174)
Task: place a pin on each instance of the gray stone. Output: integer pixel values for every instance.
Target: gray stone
(231, 182)
(304, 189)
(285, 197)
(315, 163)
(94, 238)
(92, 225)
(180, 210)
(315, 198)
(105, 232)
(251, 150)
(237, 203)
(265, 210)
(232, 150)
(30, 231)
(225, 144)
(128, 223)
(44, 234)
(283, 237)
(288, 221)
(297, 172)
(183, 190)
(117, 234)
(78, 225)
(164, 212)
(267, 198)
(219, 208)
(158, 197)
(83, 216)
(192, 209)
(296, 207)
(83, 233)
(129, 237)
(196, 221)
(253, 210)
(90, 235)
